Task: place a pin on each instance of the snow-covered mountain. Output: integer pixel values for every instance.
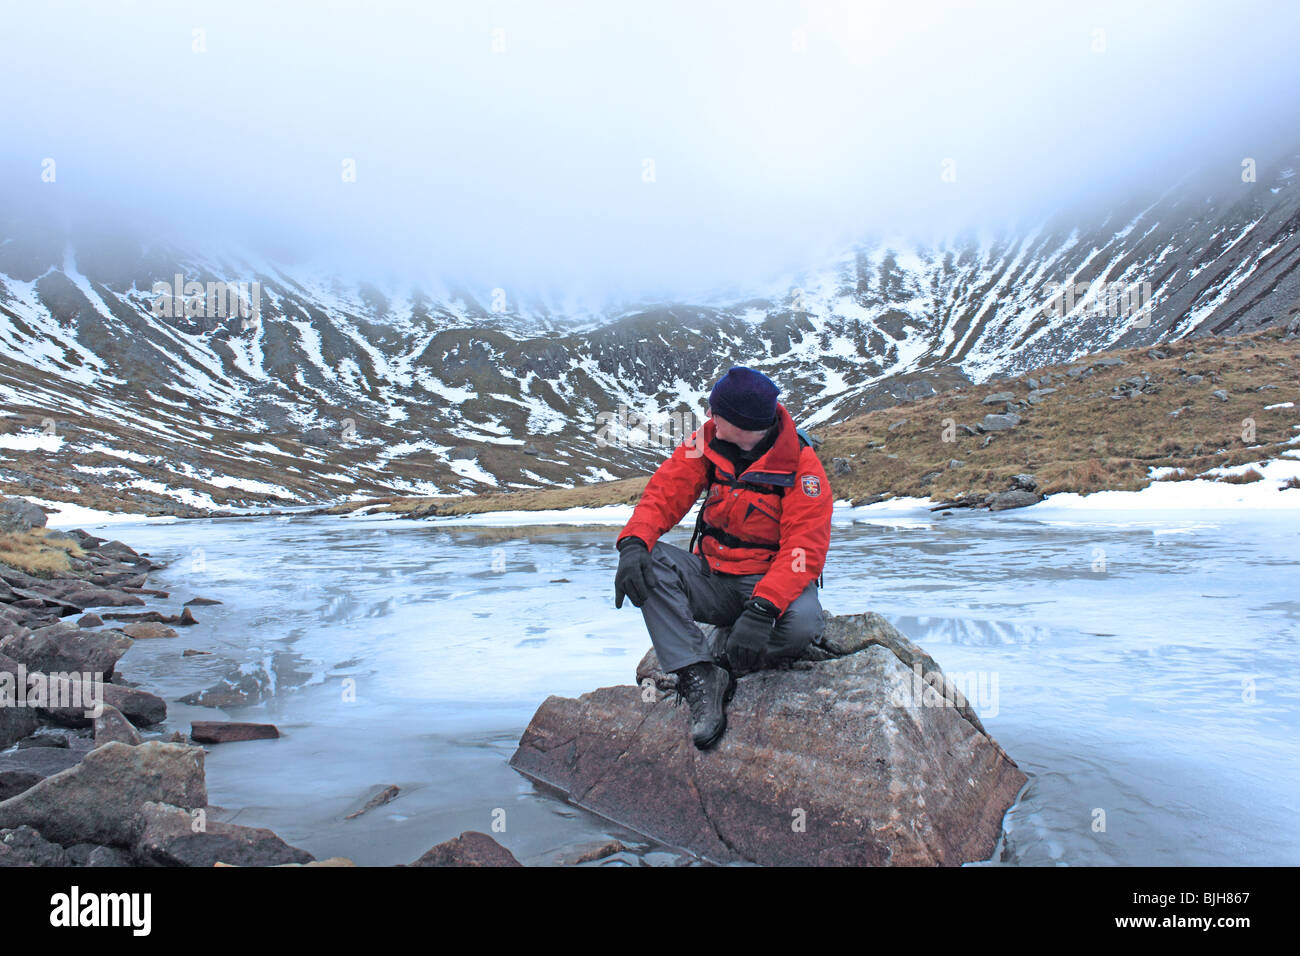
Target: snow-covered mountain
(336, 390)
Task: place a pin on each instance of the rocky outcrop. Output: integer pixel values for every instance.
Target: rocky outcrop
(862, 753)
(100, 798)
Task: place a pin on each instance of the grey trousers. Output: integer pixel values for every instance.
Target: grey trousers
(686, 593)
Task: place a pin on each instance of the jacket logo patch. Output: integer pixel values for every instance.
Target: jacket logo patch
(812, 486)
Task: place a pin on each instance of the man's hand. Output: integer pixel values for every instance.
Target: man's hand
(635, 576)
(753, 629)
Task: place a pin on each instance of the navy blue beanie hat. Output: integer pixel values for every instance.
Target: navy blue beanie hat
(745, 398)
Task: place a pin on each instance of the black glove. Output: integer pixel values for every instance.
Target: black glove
(635, 576)
(753, 629)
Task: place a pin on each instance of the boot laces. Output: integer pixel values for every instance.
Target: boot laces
(690, 687)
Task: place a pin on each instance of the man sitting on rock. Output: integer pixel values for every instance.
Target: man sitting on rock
(763, 533)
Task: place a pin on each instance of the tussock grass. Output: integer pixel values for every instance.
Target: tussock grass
(33, 552)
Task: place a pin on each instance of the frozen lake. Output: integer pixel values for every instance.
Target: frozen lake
(1142, 668)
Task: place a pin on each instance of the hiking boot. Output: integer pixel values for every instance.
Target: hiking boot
(708, 689)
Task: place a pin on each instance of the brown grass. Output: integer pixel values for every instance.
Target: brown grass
(1245, 478)
(1077, 439)
(34, 553)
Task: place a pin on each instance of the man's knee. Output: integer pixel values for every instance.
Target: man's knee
(799, 626)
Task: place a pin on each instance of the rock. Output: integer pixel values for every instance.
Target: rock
(1194, 379)
(110, 725)
(229, 731)
(90, 620)
(590, 853)
(24, 769)
(530, 449)
(173, 836)
(895, 426)
(318, 437)
(201, 602)
(386, 795)
(29, 845)
(84, 595)
(15, 724)
(148, 630)
(471, 848)
(878, 762)
(1038, 394)
(1013, 499)
(1024, 482)
(66, 647)
(998, 423)
(88, 541)
(463, 453)
(954, 463)
(59, 741)
(140, 706)
(1108, 363)
(90, 854)
(999, 398)
(841, 466)
(1157, 354)
(191, 652)
(100, 799)
(968, 429)
(1031, 382)
(1220, 394)
(929, 477)
(17, 514)
(187, 618)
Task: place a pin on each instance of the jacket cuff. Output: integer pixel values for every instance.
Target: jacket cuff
(775, 599)
(626, 542)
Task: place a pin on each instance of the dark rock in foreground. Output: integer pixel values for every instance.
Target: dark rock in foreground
(471, 848)
(99, 799)
(172, 836)
(862, 754)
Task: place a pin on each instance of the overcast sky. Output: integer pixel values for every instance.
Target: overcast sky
(625, 147)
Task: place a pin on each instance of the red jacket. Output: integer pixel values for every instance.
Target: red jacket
(777, 522)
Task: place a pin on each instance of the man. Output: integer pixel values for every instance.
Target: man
(763, 533)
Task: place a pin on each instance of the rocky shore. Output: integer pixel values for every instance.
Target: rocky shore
(87, 777)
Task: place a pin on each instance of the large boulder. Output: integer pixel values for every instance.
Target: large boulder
(861, 753)
(172, 836)
(101, 798)
(17, 514)
(66, 647)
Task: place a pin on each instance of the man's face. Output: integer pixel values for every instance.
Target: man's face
(745, 440)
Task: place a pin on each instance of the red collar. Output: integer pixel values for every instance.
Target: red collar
(775, 466)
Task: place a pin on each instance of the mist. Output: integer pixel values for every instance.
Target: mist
(617, 149)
